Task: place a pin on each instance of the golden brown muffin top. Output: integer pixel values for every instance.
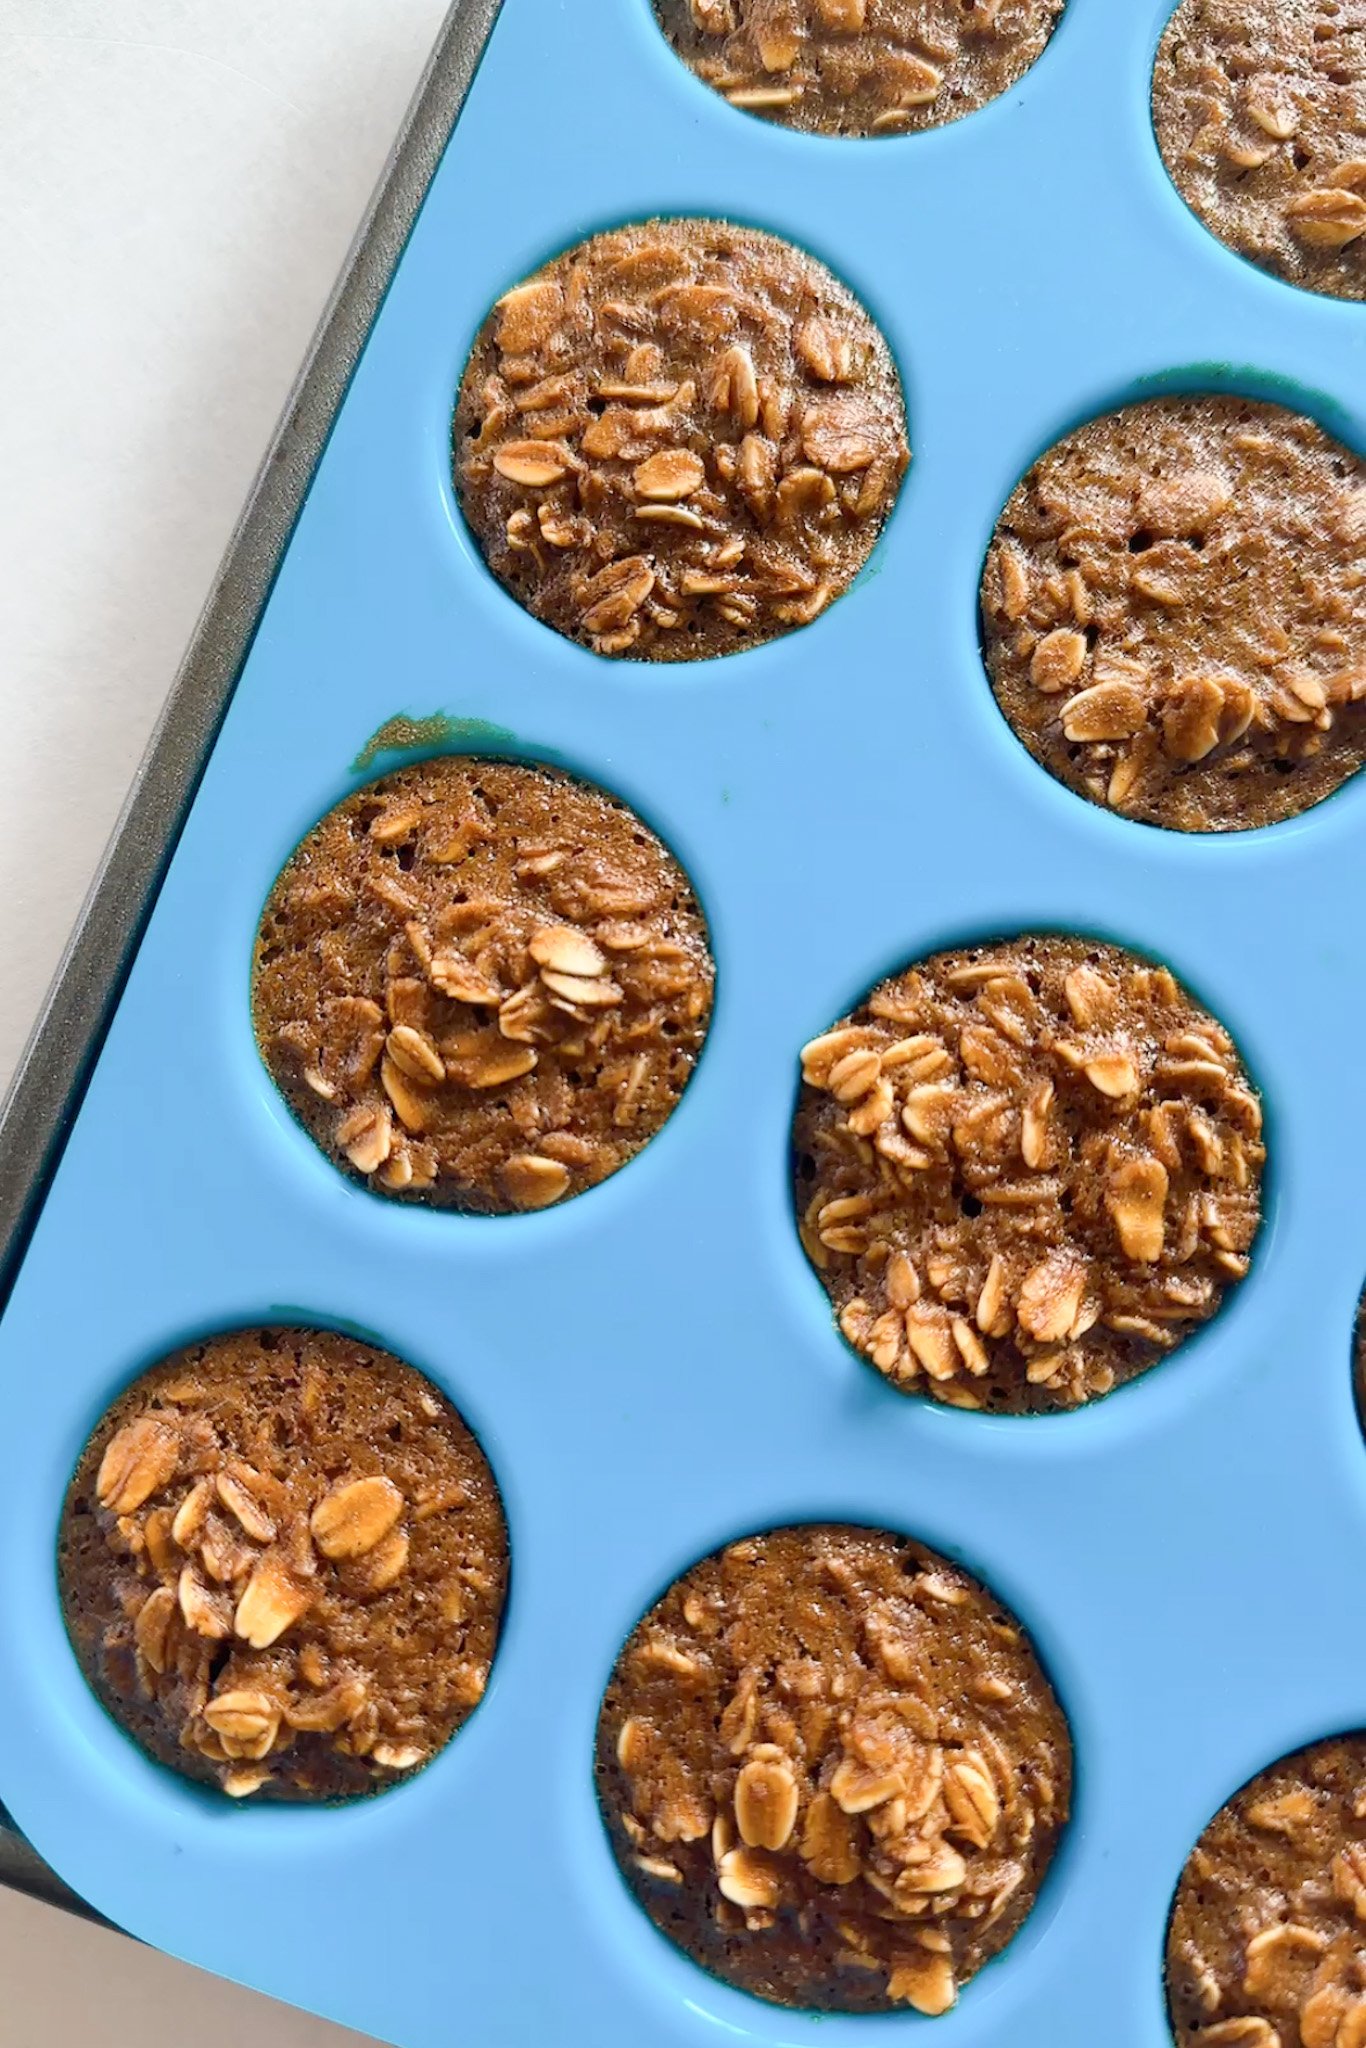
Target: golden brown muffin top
(1260, 111)
(282, 1563)
(1175, 612)
(1026, 1171)
(481, 985)
(678, 440)
(859, 67)
(1267, 1943)
(833, 1770)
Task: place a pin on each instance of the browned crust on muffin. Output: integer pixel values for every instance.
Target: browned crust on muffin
(680, 439)
(282, 1564)
(1266, 1947)
(1260, 112)
(1174, 610)
(859, 67)
(833, 1771)
(1026, 1171)
(481, 985)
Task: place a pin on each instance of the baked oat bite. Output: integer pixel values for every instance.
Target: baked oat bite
(1267, 1942)
(1025, 1171)
(859, 67)
(833, 1771)
(282, 1565)
(481, 985)
(1174, 612)
(1260, 112)
(678, 440)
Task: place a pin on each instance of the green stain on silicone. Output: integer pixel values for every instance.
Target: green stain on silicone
(405, 734)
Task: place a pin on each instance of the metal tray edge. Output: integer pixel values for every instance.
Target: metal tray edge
(39, 1108)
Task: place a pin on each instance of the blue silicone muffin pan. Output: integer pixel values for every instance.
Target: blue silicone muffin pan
(653, 1368)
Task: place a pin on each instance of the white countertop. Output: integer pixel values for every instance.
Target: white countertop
(179, 181)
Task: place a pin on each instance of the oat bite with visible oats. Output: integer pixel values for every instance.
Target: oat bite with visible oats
(1260, 112)
(678, 440)
(282, 1565)
(1267, 1942)
(859, 67)
(833, 1770)
(481, 985)
(1174, 613)
(1026, 1171)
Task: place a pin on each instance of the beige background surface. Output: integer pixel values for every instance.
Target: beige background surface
(65, 1985)
(179, 180)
